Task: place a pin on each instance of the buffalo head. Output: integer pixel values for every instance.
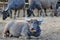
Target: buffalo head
(34, 29)
(5, 14)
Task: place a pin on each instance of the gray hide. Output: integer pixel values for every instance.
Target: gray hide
(15, 28)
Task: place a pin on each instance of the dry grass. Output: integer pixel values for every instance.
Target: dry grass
(50, 28)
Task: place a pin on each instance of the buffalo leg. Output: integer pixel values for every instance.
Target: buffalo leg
(54, 6)
(29, 13)
(18, 13)
(24, 12)
(55, 13)
(45, 11)
(38, 13)
(33, 14)
(10, 14)
(15, 14)
(41, 13)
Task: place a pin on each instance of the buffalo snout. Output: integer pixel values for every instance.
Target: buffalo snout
(5, 15)
(33, 30)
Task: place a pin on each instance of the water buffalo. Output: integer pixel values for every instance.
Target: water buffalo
(58, 4)
(13, 5)
(28, 28)
(42, 4)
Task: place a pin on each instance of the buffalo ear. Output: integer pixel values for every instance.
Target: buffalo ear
(27, 19)
(40, 20)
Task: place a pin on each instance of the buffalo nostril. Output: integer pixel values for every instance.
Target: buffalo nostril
(33, 30)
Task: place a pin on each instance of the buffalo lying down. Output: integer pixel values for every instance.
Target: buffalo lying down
(16, 29)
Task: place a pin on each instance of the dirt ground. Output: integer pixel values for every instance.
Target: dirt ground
(50, 29)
